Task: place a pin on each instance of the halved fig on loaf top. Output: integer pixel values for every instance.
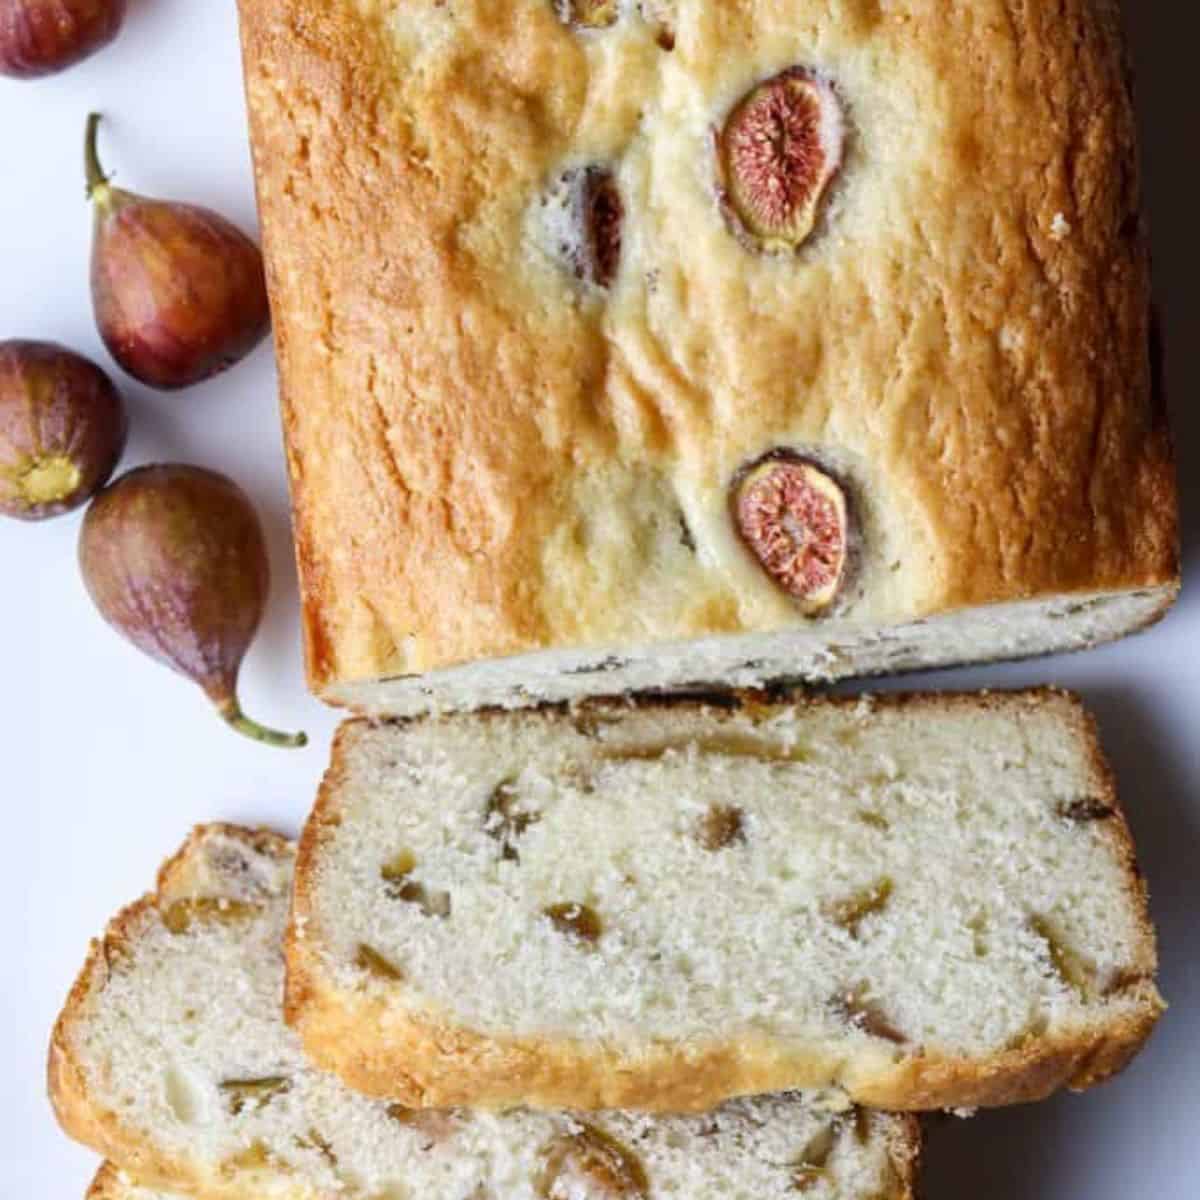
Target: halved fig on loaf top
(777, 153)
(794, 518)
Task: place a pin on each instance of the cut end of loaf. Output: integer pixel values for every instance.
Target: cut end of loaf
(186, 1074)
(926, 901)
(821, 652)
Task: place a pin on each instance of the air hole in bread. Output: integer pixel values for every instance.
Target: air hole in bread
(183, 1096)
(1075, 971)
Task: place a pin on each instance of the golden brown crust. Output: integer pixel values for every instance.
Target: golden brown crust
(968, 338)
(108, 1184)
(373, 1041)
(111, 1183)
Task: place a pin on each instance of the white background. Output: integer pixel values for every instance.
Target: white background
(106, 759)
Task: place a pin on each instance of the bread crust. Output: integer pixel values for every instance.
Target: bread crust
(111, 1183)
(967, 337)
(378, 1045)
(107, 1184)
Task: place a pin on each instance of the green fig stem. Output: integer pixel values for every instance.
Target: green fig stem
(231, 711)
(98, 190)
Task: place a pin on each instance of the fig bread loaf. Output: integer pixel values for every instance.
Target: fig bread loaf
(925, 902)
(632, 344)
(173, 1060)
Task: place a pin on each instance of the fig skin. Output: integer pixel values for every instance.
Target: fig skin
(179, 292)
(173, 556)
(43, 37)
(62, 429)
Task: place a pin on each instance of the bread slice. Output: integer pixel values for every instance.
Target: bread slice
(172, 1059)
(926, 901)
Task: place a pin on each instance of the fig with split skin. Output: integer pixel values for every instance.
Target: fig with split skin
(179, 292)
(42, 37)
(174, 558)
(62, 429)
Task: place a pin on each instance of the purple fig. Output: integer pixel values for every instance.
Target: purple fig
(179, 293)
(174, 558)
(62, 429)
(40, 37)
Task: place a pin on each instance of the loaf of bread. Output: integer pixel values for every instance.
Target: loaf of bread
(925, 902)
(634, 344)
(173, 1060)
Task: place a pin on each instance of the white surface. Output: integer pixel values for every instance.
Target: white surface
(107, 758)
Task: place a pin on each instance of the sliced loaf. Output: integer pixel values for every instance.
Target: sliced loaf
(927, 902)
(172, 1059)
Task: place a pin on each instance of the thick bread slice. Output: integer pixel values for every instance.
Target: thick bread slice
(172, 1059)
(926, 901)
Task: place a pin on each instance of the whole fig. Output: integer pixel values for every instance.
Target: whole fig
(179, 293)
(174, 558)
(62, 429)
(41, 37)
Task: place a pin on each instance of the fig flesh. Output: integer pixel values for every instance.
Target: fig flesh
(777, 155)
(179, 292)
(174, 558)
(42, 37)
(62, 429)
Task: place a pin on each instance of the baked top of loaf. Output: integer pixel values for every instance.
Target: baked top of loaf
(926, 902)
(172, 1058)
(493, 457)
